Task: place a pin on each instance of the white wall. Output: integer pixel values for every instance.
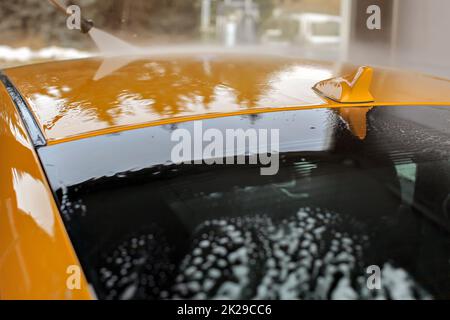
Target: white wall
(423, 35)
(415, 35)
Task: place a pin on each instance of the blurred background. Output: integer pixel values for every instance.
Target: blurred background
(414, 34)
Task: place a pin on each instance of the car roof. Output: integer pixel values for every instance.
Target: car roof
(95, 96)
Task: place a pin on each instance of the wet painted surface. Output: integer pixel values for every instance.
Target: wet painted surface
(356, 188)
(35, 250)
(75, 99)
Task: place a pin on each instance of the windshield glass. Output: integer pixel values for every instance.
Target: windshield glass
(355, 188)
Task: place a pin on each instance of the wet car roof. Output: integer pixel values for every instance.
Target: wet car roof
(95, 96)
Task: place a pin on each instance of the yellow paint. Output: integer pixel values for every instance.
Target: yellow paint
(147, 91)
(35, 250)
(356, 118)
(354, 88)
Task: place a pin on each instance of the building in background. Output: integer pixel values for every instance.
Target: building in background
(231, 22)
(413, 34)
(235, 22)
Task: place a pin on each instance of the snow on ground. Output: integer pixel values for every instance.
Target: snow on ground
(25, 54)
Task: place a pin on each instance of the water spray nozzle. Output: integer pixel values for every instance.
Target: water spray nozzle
(86, 25)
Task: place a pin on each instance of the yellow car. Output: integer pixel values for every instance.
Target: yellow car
(209, 175)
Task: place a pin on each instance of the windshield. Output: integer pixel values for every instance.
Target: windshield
(355, 187)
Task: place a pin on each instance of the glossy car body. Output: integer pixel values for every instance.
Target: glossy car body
(70, 101)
